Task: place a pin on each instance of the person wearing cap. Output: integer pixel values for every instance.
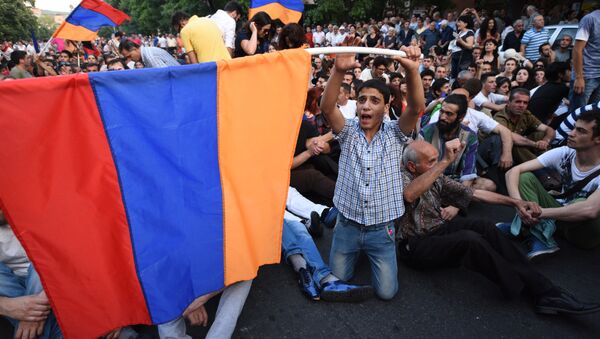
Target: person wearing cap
(339, 37)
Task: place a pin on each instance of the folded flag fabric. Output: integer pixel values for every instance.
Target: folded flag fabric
(285, 10)
(86, 19)
(134, 192)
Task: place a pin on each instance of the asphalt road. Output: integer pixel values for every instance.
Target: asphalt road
(448, 303)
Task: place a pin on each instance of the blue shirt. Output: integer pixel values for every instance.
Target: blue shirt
(369, 185)
(589, 30)
(533, 39)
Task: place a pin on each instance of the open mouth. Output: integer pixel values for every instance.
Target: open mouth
(366, 117)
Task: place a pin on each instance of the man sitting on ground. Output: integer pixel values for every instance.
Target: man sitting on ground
(428, 240)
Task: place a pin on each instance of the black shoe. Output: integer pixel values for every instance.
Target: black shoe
(307, 285)
(342, 291)
(329, 217)
(315, 228)
(559, 300)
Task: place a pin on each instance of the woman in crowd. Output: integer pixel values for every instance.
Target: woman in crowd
(503, 85)
(254, 36)
(523, 78)
(540, 76)
(463, 45)
(373, 39)
(491, 54)
(308, 36)
(488, 30)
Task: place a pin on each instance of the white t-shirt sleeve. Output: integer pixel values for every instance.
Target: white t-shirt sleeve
(497, 98)
(553, 158)
(583, 33)
(229, 35)
(479, 99)
(482, 121)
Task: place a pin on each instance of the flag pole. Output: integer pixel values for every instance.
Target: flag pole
(355, 50)
(59, 27)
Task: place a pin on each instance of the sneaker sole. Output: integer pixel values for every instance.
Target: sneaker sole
(354, 295)
(542, 254)
(557, 310)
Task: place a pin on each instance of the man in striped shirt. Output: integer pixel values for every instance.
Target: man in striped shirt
(152, 57)
(534, 38)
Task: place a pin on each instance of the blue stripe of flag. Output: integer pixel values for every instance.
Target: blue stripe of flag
(162, 128)
(89, 19)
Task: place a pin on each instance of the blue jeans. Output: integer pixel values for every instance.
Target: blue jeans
(12, 286)
(296, 240)
(591, 94)
(377, 241)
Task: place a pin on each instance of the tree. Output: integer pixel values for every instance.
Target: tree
(17, 20)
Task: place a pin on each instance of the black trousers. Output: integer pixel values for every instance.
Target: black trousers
(477, 245)
(309, 181)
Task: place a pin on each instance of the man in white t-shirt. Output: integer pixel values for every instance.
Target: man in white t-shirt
(318, 36)
(226, 20)
(22, 299)
(576, 212)
(345, 104)
(487, 98)
(377, 71)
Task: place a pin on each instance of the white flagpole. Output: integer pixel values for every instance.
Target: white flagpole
(355, 50)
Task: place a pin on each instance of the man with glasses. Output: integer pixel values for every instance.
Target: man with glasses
(377, 71)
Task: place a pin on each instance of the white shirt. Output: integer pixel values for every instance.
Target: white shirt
(477, 121)
(366, 75)
(319, 37)
(12, 253)
(162, 42)
(349, 109)
(329, 38)
(227, 26)
(494, 98)
(338, 39)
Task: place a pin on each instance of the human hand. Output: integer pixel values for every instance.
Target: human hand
(316, 147)
(455, 35)
(253, 28)
(29, 329)
(345, 62)
(28, 308)
(579, 86)
(448, 213)
(198, 317)
(453, 147)
(506, 161)
(199, 302)
(541, 145)
(413, 55)
(528, 211)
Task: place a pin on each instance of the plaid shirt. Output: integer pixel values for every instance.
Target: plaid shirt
(369, 185)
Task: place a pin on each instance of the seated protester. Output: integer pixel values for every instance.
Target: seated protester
(427, 79)
(503, 86)
(448, 127)
(368, 189)
(578, 163)
(23, 301)
(488, 98)
(546, 99)
(377, 71)
(483, 67)
(298, 248)
(398, 102)
(430, 239)
(461, 79)
(530, 136)
(152, 57)
(546, 53)
(304, 176)
(439, 91)
(441, 72)
(254, 36)
(346, 105)
(495, 141)
(524, 78)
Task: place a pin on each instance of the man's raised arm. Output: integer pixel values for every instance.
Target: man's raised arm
(343, 62)
(415, 102)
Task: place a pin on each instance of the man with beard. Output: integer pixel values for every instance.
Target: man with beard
(448, 127)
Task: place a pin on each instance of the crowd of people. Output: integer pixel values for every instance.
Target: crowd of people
(391, 151)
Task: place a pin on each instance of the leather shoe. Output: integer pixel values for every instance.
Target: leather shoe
(307, 285)
(315, 228)
(559, 300)
(342, 291)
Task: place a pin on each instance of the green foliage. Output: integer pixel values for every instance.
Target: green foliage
(17, 20)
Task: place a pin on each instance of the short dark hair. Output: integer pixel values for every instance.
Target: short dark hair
(16, 56)
(592, 115)
(347, 88)
(292, 33)
(473, 86)
(518, 90)
(438, 84)
(127, 45)
(354, 76)
(395, 75)
(427, 72)
(467, 19)
(555, 69)
(542, 46)
(114, 61)
(233, 6)
(66, 52)
(459, 100)
(380, 60)
(379, 85)
(178, 17)
(484, 76)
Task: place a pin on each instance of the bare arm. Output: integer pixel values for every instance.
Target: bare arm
(520, 140)
(549, 132)
(415, 102)
(512, 176)
(493, 106)
(506, 159)
(192, 56)
(466, 44)
(528, 211)
(249, 46)
(579, 84)
(522, 50)
(578, 211)
(329, 107)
